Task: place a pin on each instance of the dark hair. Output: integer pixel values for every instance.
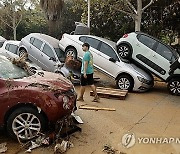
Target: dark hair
(86, 44)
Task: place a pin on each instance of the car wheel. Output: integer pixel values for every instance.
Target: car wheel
(174, 86)
(25, 123)
(22, 52)
(125, 82)
(71, 52)
(124, 51)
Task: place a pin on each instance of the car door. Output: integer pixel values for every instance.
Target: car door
(108, 59)
(47, 58)
(158, 57)
(34, 51)
(147, 55)
(94, 49)
(163, 57)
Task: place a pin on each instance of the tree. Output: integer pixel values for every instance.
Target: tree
(12, 12)
(53, 10)
(106, 21)
(162, 19)
(33, 22)
(128, 7)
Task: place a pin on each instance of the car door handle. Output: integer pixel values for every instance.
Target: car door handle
(138, 44)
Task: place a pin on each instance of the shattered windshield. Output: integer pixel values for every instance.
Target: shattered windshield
(11, 71)
(60, 54)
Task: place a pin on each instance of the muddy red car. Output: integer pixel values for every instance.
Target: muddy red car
(29, 103)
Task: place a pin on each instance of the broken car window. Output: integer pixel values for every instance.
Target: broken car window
(10, 71)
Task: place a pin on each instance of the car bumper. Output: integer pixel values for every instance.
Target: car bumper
(142, 87)
(61, 47)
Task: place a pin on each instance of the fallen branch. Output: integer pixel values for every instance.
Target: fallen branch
(96, 108)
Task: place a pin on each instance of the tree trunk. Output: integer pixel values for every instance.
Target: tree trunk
(138, 17)
(14, 33)
(52, 27)
(137, 23)
(14, 25)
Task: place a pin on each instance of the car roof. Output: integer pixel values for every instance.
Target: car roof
(2, 38)
(12, 42)
(51, 40)
(113, 44)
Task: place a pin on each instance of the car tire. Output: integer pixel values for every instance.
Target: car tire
(125, 82)
(124, 51)
(174, 86)
(25, 120)
(71, 52)
(22, 52)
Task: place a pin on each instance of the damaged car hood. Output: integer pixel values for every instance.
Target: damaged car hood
(47, 80)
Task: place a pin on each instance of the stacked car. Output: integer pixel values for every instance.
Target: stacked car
(153, 55)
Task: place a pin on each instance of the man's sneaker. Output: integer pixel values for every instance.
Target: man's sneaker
(80, 99)
(96, 99)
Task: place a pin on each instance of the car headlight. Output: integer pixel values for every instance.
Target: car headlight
(66, 103)
(65, 99)
(143, 80)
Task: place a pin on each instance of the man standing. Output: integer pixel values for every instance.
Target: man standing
(87, 71)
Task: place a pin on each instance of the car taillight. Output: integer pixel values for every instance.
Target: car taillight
(62, 36)
(125, 35)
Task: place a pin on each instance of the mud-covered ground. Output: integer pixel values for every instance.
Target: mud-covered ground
(153, 114)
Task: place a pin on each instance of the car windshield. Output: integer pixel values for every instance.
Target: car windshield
(11, 71)
(60, 54)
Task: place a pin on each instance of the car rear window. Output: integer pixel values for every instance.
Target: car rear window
(93, 42)
(149, 42)
(37, 43)
(12, 48)
(48, 51)
(82, 38)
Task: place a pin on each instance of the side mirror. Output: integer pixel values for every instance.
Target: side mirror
(52, 58)
(112, 60)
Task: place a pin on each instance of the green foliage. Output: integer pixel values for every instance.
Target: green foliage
(33, 22)
(160, 20)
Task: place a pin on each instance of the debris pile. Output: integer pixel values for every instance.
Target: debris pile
(59, 137)
(3, 147)
(72, 63)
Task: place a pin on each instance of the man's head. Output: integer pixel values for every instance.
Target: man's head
(85, 47)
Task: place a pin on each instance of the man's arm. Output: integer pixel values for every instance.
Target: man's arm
(85, 68)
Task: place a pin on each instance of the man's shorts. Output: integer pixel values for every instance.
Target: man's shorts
(87, 81)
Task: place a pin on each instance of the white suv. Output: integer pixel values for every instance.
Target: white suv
(153, 55)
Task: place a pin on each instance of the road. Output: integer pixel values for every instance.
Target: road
(153, 114)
